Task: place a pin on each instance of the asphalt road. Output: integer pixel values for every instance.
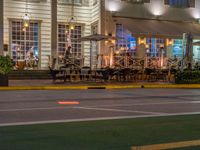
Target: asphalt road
(33, 107)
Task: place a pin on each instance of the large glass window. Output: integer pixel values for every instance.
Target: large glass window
(66, 38)
(124, 38)
(196, 52)
(24, 41)
(177, 48)
(154, 45)
(180, 3)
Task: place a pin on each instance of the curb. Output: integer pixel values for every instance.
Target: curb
(165, 146)
(137, 86)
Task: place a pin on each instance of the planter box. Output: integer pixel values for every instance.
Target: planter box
(3, 80)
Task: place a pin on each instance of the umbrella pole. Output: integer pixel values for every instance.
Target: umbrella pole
(90, 55)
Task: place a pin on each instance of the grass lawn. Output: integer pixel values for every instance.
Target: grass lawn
(101, 135)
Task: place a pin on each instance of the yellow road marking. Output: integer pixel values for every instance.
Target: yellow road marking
(85, 87)
(168, 145)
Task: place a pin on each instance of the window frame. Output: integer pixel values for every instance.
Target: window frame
(39, 36)
(65, 39)
(137, 1)
(191, 4)
(69, 2)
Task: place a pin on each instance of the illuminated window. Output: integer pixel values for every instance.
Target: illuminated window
(177, 48)
(124, 38)
(196, 51)
(180, 3)
(24, 41)
(63, 41)
(154, 45)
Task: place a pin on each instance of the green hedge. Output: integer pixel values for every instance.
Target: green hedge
(188, 77)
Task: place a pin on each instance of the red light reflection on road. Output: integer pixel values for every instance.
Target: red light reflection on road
(68, 102)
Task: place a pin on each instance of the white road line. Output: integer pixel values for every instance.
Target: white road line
(121, 110)
(91, 106)
(30, 109)
(195, 102)
(138, 104)
(94, 119)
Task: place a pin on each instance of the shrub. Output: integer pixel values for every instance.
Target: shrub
(187, 77)
(6, 65)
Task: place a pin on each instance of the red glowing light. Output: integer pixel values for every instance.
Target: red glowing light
(68, 102)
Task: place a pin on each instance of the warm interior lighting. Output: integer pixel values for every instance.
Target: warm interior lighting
(122, 48)
(110, 41)
(141, 40)
(116, 52)
(71, 21)
(169, 42)
(161, 45)
(26, 17)
(26, 24)
(113, 41)
(23, 29)
(72, 26)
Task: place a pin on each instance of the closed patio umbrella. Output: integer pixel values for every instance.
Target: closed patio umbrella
(95, 37)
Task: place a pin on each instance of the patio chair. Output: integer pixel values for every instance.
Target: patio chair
(85, 73)
(58, 75)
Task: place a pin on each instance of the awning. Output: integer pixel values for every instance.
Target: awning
(95, 37)
(196, 43)
(159, 28)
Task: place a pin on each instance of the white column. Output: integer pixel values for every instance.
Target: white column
(1, 26)
(54, 28)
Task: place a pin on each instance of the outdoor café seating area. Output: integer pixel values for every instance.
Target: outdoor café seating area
(108, 74)
(122, 64)
(124, 69)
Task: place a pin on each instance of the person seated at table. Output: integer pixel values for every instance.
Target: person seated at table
(68, 52)
(31, 60)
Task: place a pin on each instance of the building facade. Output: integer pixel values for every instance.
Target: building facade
(48, 30)
(148, 28)
(157, 29)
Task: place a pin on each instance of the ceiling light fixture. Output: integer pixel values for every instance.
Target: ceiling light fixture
(26, 17)
(72, 19)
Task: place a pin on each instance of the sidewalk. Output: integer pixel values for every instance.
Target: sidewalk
(77, 83)
(49, 85)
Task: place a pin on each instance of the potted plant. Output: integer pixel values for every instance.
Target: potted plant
(6, 65)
